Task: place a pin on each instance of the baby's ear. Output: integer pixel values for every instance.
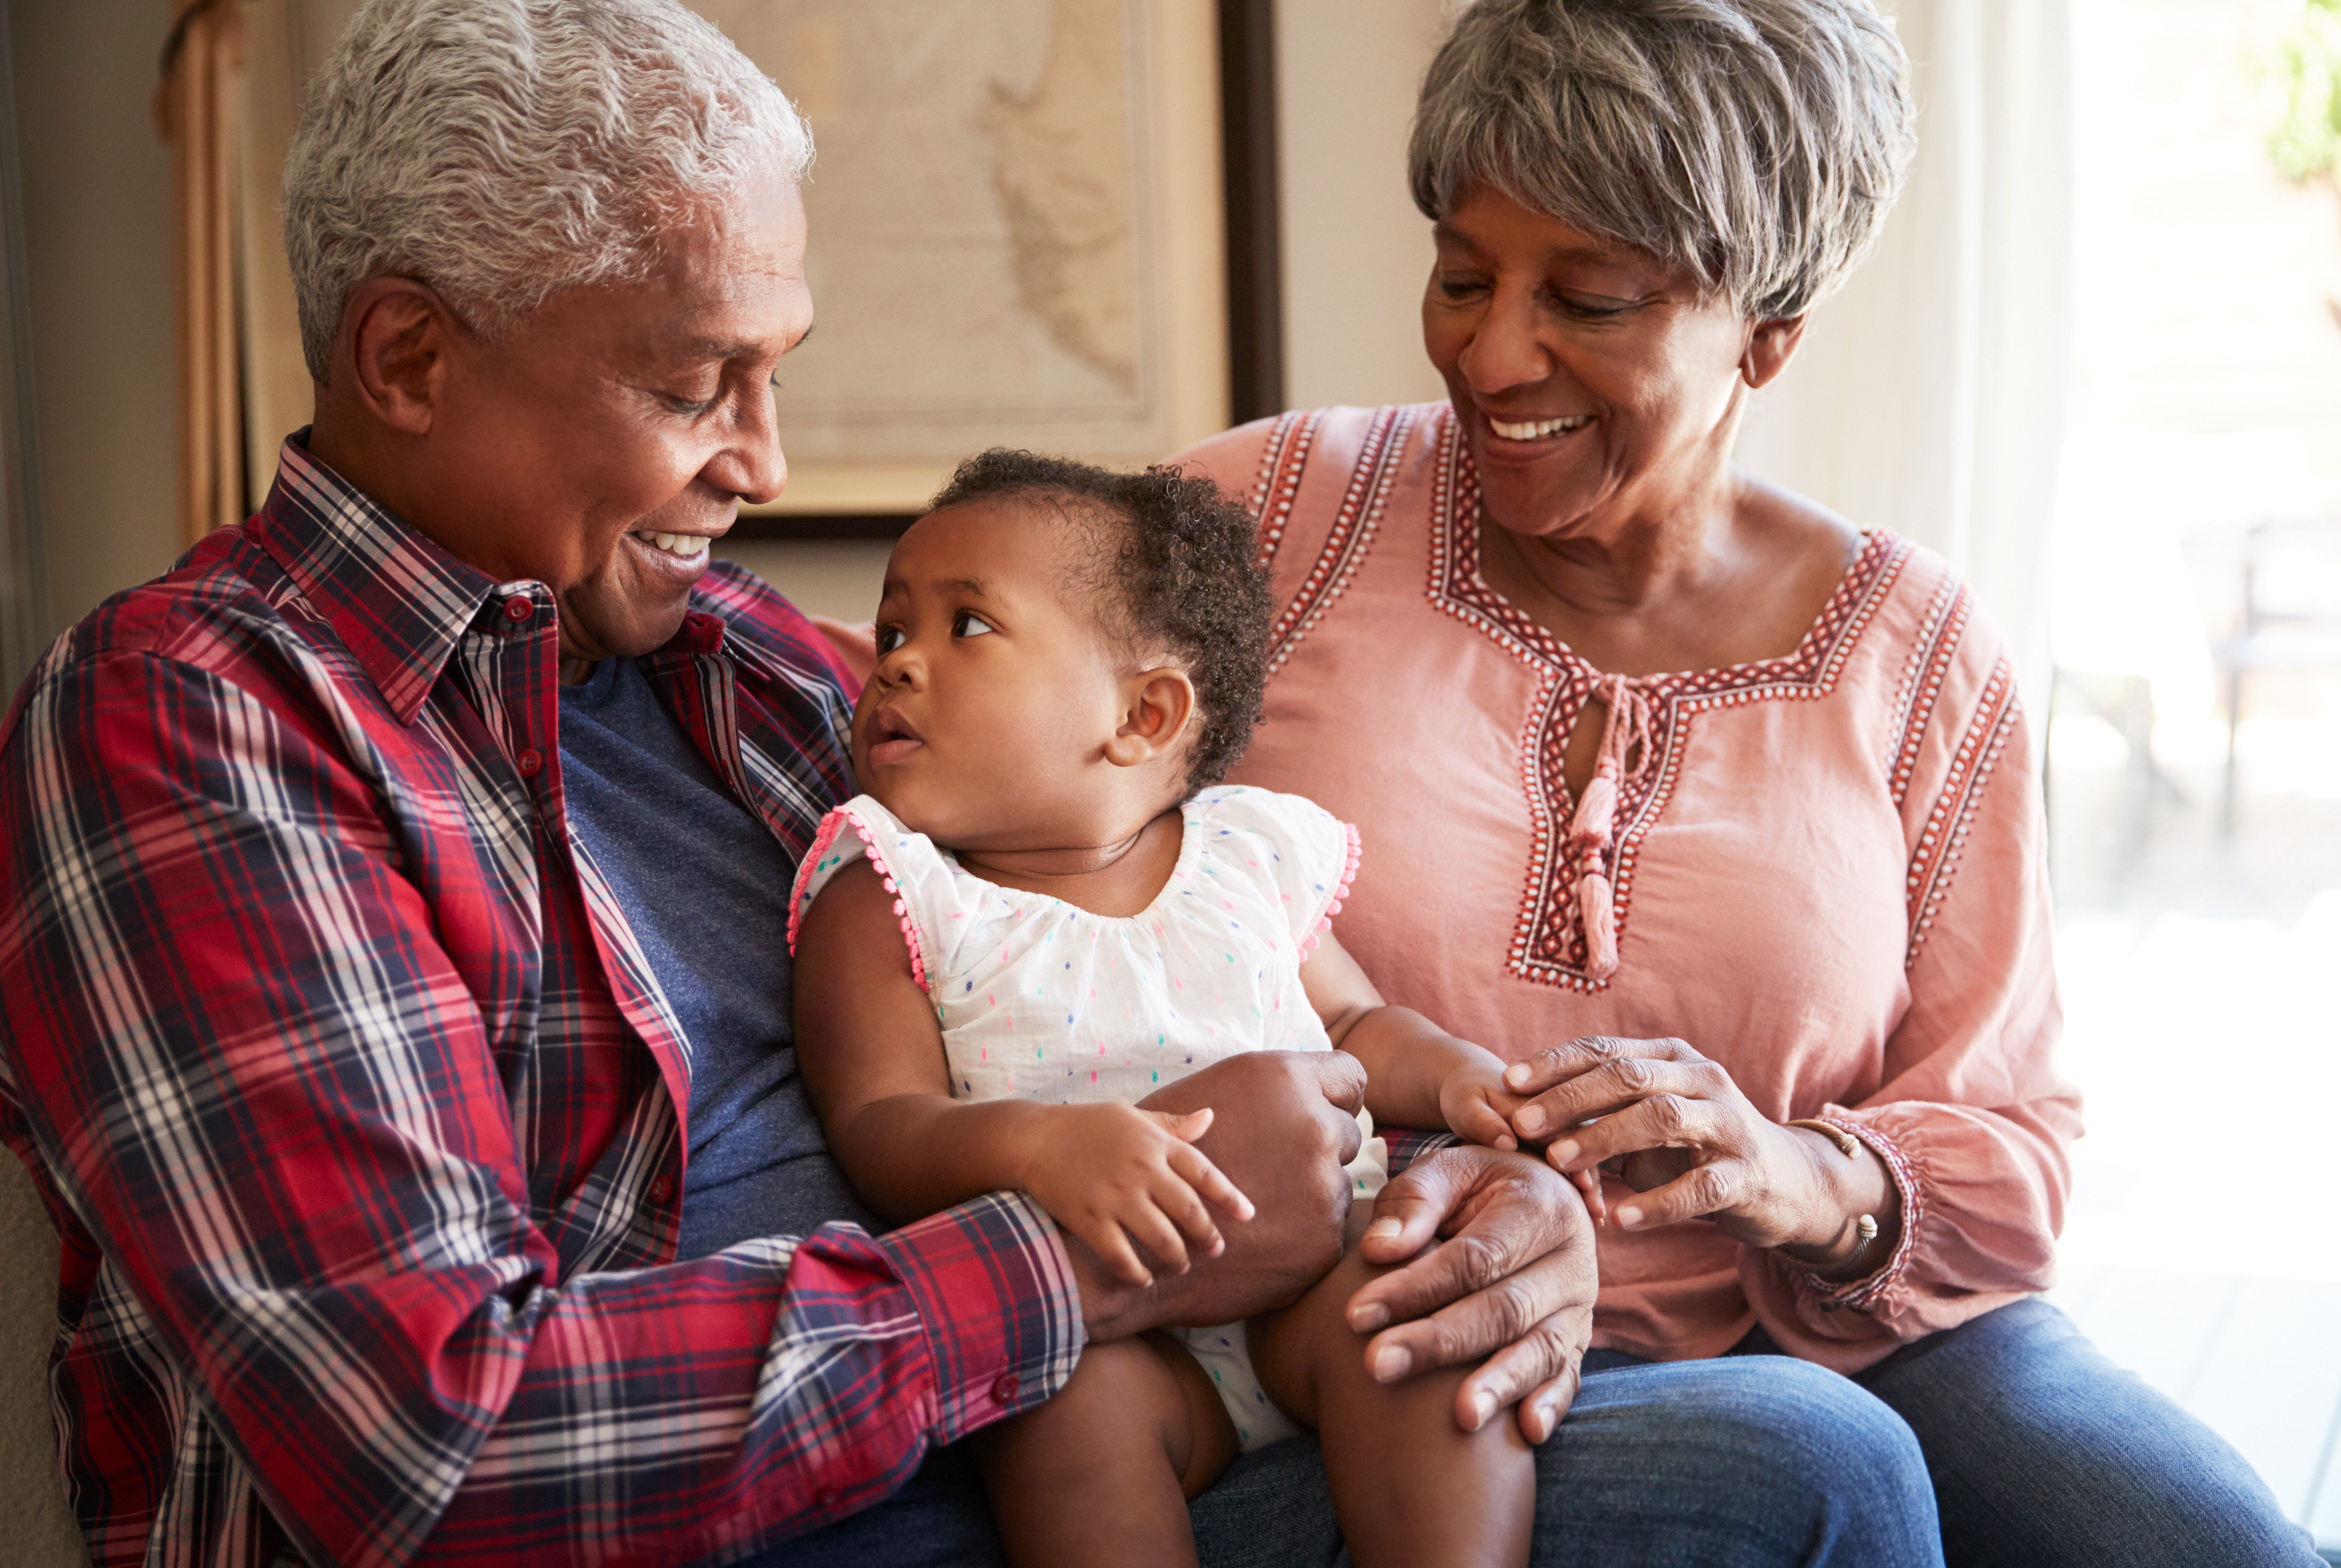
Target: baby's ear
(1158, 714)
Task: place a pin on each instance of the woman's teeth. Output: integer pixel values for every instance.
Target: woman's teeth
(683, 544)
(1537, 429)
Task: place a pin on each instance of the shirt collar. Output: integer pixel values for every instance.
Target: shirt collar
(398, 601)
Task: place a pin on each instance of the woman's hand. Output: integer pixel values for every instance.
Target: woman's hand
(1511, 1279)
(1676, 1127)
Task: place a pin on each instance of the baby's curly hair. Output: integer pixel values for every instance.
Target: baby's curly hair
(1183, 578)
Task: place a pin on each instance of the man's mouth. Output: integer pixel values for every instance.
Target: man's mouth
(1539, 429)
(689, 549)
(891, 738)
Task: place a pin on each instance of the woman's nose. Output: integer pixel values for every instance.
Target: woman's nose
(1506, 350)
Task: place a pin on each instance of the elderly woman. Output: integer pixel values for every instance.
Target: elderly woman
(1714, 814)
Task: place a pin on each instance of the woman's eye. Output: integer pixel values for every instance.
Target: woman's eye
(1588, 309)
(967, 624)
(1459, 288)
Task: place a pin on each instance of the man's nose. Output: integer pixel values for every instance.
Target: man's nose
(752, 465)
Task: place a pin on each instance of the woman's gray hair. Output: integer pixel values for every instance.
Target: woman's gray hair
(1757, 144)
(502, 151)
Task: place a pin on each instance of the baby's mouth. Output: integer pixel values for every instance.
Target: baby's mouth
(891, 738)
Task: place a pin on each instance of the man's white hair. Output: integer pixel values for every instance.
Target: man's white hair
(502, 151)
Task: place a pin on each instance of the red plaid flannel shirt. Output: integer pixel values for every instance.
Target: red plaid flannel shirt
(359, 1112)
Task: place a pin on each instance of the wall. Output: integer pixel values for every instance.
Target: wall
(97, 240)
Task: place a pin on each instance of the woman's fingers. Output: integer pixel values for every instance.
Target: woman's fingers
(1665, 1119)
(1198, 1171)
(1614, 1085)
(1559, 1064)
(1703, 1189)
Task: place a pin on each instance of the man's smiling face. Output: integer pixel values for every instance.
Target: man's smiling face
(602, 444)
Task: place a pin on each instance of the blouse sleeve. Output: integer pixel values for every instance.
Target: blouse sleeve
(1970, 1118)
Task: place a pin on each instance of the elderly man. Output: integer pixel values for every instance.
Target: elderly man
(393, 896)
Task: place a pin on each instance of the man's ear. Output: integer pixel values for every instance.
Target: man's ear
(399, 334)
(1769, 348)
(1161, 704)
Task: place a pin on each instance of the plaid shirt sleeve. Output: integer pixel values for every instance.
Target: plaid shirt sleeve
(245, 1057)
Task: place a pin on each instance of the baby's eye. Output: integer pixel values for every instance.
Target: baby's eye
(967, 624)
(889, 638)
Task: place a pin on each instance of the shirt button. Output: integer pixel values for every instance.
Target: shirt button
(519, 607)
(1004, 1389)
(663, 1189)
(531, 762)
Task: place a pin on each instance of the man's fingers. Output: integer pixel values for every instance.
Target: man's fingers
(1527, 1368)
(1406, 1216)
(1701, 1190)
(1342, 1076)
(1542, 1413)
(1209, 1181)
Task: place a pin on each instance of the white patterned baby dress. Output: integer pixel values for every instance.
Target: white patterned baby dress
(1040, 1000)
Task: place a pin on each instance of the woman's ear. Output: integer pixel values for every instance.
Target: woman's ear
(1161, 704)
(399, 332)
(1769, 348)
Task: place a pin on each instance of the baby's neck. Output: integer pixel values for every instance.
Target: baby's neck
(1117, 880)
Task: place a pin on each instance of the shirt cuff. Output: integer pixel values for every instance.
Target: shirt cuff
(1407, 1146)
(1860, 1294)
(996, 1294)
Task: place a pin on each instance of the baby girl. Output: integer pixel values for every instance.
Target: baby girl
(1041, 910)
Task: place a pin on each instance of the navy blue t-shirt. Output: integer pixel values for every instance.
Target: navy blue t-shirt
(706, 885)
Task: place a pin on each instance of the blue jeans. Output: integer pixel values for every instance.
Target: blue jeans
(2037, 1450)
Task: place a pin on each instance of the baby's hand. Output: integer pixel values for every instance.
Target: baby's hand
(1477, 1106)
(1115, 1174)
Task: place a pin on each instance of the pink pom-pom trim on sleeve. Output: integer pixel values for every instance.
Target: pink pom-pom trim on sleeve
(832, 825)
(799, 901)
(1341, 890)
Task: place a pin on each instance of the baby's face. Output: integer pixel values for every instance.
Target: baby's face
(985, 722)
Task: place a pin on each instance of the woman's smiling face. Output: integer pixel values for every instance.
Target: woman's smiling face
(1593, 382)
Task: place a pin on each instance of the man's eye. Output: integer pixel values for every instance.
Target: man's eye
(690, 408)
(967, 624)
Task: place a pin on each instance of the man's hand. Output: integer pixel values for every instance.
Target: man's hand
(1512, 1278)
(1285, 1123)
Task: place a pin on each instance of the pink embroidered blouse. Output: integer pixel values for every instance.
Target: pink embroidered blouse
(1823, 870)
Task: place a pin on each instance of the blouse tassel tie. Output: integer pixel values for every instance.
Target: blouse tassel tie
(1625, 731)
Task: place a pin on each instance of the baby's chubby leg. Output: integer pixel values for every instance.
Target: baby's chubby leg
(1410, 1487)
(1102, 1471)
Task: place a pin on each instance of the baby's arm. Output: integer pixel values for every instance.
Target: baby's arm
(1417, 1074)
(873, 1058)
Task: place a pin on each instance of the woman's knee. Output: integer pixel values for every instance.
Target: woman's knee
(1742, 1460)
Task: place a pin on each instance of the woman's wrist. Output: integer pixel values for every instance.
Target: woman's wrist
(1849, 1187)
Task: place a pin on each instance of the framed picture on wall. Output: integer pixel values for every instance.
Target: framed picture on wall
(1018, 236)
(1046, 223)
